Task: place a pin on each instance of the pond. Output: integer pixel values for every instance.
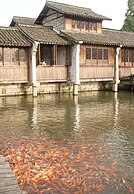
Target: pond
(81, 144)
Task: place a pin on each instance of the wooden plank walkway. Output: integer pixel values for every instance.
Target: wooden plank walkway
(8, 182)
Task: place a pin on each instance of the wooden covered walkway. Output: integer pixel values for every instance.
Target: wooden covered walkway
(8, 182)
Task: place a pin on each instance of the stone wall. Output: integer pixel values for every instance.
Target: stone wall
(89, 86)
(15, 89)
(48, 88)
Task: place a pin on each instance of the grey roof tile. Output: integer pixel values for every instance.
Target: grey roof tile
(22, 20)
(43, 34)
(12, 37)
(70, 10)
(107, 37)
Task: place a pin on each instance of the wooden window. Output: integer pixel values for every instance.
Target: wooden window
(99, 54)
(94, 27)
(126, 55)
(87, 25)
(15, 55)
(105, 54)
(22, 54)
(122, 55)
(82, 24)
(78, 24)
(90, 25)
(94, 53)
(7, 55)
(130, 55)
(88, 53)
(73, 24)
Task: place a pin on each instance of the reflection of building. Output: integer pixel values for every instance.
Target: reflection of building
(75, 52)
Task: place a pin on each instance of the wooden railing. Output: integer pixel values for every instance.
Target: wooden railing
(126, 71)
(13, 73)
(59, 73)
(51, 73)
(96, 72)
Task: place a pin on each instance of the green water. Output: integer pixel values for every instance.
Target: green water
(101, 119)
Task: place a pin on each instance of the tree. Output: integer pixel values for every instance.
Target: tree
(129, 20)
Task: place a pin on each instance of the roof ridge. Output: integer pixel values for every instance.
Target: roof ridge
(116, 30)
(70, 5)
(79, 32)
(8, 28)
(36, 26)
(22, 17)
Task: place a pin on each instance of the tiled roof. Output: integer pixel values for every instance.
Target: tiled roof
(22, 20)
(70, 10)
(107, 37)
(12, 37)
(123, 38)
(42, 34)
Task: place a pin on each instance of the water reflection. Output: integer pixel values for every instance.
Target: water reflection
(77, 127)
(116, 108)
(34, 115)
(90, 113)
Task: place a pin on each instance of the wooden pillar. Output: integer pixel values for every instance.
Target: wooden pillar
(116, 70)
(53, 53)
(56, 54)
(76, 68)
(33, 69)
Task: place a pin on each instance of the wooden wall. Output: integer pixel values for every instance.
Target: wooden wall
(14, 64)
(55, 19)
(51, 73)
(96, 72)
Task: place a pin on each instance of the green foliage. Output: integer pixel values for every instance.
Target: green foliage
(129, 20)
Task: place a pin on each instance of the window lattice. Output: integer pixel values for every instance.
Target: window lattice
(94, 26)
(78, 24)
(126, 55)
(105, 54)
(122, 55)
(73, 24)
(94, 53)
(130, 55)
(22, 55)
(82, 24)
(87, 26)
(90, 25)
(100, 54)
(6, 54)
(88, 53)
(15, 54)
